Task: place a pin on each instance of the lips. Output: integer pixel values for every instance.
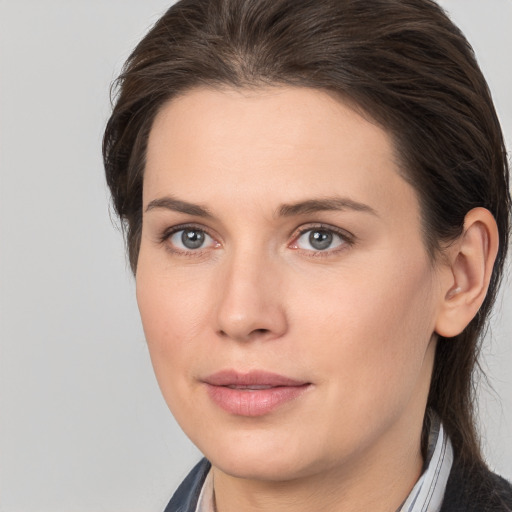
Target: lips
(252, 394)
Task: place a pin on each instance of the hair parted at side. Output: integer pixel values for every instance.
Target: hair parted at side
(402, 62)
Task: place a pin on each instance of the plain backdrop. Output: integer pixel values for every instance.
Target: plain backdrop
(82, 425)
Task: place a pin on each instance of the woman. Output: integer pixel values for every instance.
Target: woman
(316, 201)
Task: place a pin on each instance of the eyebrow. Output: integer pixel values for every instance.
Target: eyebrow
(327, 204)
(286, 210)
(176, 205)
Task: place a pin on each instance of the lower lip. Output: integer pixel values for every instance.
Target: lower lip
(243, 402)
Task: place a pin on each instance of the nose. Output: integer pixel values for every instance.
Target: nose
(251, 304)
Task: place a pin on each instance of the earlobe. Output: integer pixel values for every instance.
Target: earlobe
(471, 261)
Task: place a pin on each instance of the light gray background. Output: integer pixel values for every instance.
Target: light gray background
(82, 423)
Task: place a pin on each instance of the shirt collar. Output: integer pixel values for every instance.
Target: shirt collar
(428, 493)
(205, 503)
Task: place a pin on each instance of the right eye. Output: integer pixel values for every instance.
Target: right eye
(190, 239)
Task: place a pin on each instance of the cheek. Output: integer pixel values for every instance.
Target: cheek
(170, 300)
(172, 309)
(370, 353)
(372, 329)
(171, 323)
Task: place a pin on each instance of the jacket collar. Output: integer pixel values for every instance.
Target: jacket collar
(186, 496)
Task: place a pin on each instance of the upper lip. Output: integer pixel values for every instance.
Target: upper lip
(252, 378)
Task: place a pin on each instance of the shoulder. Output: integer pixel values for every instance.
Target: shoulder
(476, 489)
(186, 496)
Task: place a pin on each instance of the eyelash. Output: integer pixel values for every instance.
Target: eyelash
(347, 240)
(168, 233)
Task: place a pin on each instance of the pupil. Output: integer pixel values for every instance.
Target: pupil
(320, 240)
(192, 239)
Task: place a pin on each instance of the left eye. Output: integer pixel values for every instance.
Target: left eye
(190, 239)
(319, 239)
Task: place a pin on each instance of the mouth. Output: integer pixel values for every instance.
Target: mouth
(252, 394)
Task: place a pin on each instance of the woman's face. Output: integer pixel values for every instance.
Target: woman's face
(286, 294)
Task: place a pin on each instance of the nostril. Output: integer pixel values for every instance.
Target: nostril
(240, 321)
(255, 333)
(259, 334)
(260, 331)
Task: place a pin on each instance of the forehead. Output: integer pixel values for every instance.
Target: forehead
(300, 119)
(280, 144)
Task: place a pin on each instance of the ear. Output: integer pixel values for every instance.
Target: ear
(466, 280)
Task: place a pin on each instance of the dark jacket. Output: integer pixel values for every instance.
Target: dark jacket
(475, 490)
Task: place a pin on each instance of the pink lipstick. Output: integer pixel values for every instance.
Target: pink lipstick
(252, 394)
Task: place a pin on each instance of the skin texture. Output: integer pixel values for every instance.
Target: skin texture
(355, 321)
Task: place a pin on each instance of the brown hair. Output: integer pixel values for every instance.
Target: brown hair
(403, 62)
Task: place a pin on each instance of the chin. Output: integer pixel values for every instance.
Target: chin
(264, 456)
(260, 468)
